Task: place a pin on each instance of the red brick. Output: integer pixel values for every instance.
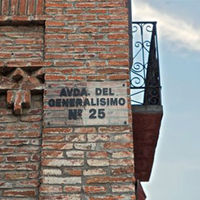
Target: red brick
(118, 63)
(88, 30)
(19, 193)
(111, 4)
(122, 170)
(119, 23)
(52, 154)
(57, 130)
(86, 17)
(112, 30)
(6, 150)
(119, 77)
(112, 42)
(15, 175)
(97, 155)
(113, 197)
(53, 11)
(29, 134)
(52, 49)
(5, 55)
(7, 135)
(70, 64)
(76, 138)
(85, 130)
(7, 167)
(96, 77)
(10, 97)
(72, 189)
(112, 56)
(75, 50)
(111, 70)
(40, 6)
(96, 49)
(35, 157)
(84, 56)
(58, 146)
(83, 43)
(50, 189)
(17, 158)
(27, 99)
(73, 172)
(109, 179)
(28, 183)
(31, 118)
(76, 78)
(49, 77)
(59, 5)
(122, 162)
(28, 166)
(54, 138)
(17, 142)
(99, 11)
(54, 23)
(30, 7)
(112, 17)
(78, 36)
(95, 189)
(122, 188)
(1, 158)
(22, 7)
(27, 41)
(5, 7)
(119, 36)
(85, 5)
(94, 63)
(117, 145)
(58, 56)
(114, 129)
(55, 36)
(75, 11)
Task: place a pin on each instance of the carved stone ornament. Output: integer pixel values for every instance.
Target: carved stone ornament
(19, 83)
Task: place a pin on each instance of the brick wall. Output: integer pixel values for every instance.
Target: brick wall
(20, 142)
(21, 7)
(83, 41)
(21, 43)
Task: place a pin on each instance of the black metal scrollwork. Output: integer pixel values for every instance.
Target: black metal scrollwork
(144, 73)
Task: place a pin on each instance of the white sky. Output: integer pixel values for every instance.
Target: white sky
(176, 30)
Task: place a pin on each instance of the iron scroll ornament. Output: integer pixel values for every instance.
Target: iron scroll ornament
(144, 73)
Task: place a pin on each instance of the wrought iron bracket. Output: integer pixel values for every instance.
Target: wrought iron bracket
(144, 72)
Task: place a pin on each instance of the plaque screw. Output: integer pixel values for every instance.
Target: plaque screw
(125, 122)
(123, 85)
